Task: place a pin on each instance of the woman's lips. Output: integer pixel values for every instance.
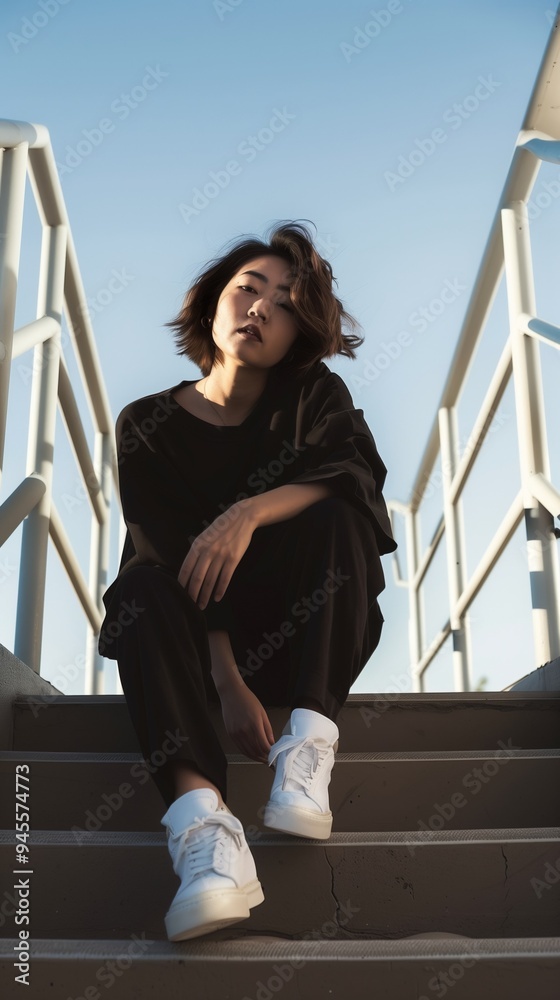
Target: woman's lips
(248, 336)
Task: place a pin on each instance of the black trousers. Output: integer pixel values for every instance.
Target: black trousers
(302, 614)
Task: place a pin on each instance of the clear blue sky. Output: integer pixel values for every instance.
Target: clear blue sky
(145, 101)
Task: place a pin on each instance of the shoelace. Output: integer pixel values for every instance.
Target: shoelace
(204, 852)
(304, 755)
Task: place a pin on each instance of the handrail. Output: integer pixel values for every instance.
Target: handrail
(26, 147)
(20, 503)
(507, 247)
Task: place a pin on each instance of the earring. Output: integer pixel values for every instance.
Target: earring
(205, 321)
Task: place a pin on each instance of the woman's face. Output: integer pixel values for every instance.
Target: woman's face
(262, 299)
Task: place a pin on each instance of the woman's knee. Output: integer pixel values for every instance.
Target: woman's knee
(354, 532)
(332, 511)
(132, 595)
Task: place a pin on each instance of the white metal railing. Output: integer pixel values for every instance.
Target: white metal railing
(27, 147)
(538, 500)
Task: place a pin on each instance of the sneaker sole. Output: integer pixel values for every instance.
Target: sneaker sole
(212, 910)
(300, 822)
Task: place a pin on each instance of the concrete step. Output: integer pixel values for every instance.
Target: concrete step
(480, 883)
(459, 789)
(259, 968)
(372, 722)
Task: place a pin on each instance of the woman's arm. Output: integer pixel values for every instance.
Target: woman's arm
(224, 668)
(153, 497)
(284, 501)
(245, 718)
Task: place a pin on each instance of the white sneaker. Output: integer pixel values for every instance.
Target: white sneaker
(304, 755)
(211, 856)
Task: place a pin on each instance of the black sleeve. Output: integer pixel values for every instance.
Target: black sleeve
(339, 448)
(154, 500)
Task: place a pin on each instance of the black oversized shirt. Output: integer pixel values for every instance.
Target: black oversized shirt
(178, 472)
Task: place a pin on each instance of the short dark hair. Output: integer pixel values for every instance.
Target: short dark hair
(320, 315)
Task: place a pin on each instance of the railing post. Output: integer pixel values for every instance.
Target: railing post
(531, 430)
(454, 547)
(416, 638)
(12, 194)
(40, 451)
(99, 563)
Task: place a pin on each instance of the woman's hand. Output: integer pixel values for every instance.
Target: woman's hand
(246, 721)
(215, 553)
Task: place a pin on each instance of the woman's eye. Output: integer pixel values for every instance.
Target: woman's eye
(283, 304)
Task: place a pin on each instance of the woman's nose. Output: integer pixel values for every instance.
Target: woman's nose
(260, 310)
(263, 308)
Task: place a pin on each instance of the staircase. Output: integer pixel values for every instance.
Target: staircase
(442, 872)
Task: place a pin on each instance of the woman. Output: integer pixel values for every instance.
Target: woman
(251, 566)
